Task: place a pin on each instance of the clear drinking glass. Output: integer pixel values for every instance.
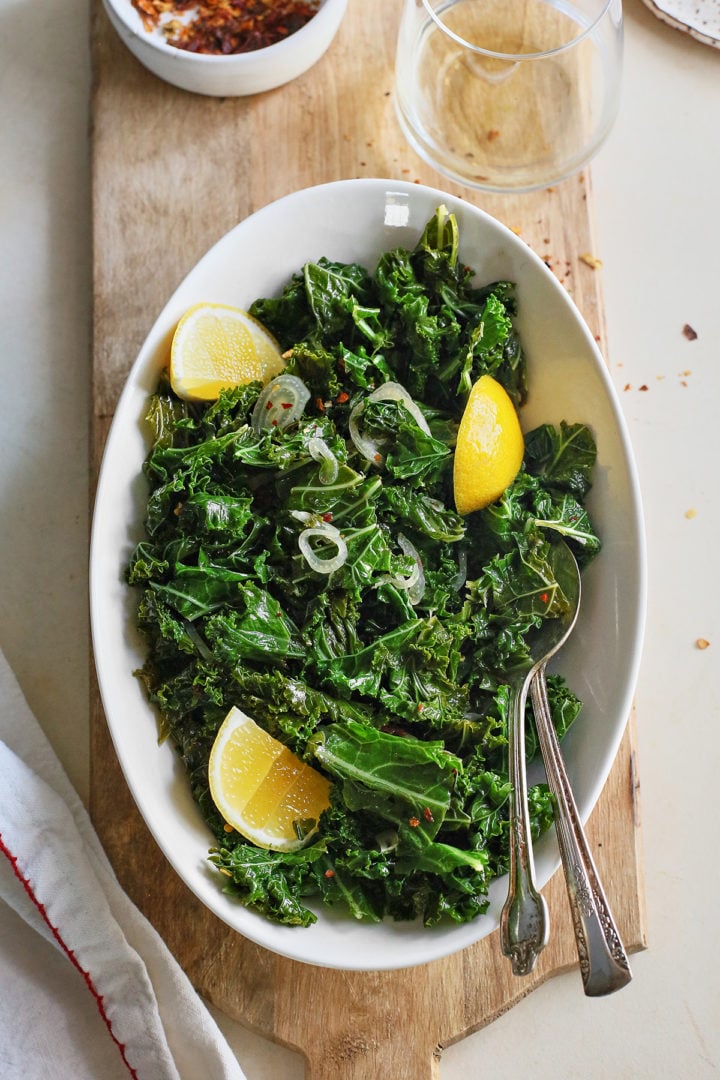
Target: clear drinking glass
(508, 95)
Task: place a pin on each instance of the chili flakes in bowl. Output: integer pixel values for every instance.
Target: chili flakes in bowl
(225, 27)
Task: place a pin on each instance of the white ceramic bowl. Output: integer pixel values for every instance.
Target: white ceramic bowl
(228, 76)
(355, 220)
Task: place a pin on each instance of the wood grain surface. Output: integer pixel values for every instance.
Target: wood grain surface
(172, 172)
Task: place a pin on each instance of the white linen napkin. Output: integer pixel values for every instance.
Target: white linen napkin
(56, 878)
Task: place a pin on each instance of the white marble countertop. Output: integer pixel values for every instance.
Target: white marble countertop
(658, 225)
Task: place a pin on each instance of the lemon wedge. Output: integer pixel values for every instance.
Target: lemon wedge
(489, 449)
(216, 347)
(261, 788)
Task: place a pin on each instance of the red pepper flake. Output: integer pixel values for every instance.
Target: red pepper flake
(327, 517)
(420, 707)
(377, 457)
(427, 814)
(689, 333)
(342, 397)
(320, 404)
(414, 821)
(544, 597)
(286, 404)
(643, 387)
(329, 873)
(226, 27)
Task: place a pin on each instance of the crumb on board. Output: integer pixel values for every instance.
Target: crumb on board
(689, 332)
(691, 513)
(702, 643)
(591, 260)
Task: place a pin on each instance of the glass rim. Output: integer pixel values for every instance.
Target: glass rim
(516, 57)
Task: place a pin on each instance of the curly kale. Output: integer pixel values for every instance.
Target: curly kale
(399, 696)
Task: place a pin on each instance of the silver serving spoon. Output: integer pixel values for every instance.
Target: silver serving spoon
(604, 964)
(524, 917)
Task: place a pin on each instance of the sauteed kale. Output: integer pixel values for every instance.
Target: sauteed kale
(388, 671)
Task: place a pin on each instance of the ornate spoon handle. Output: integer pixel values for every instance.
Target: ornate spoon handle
(524, 918)
(604, 964)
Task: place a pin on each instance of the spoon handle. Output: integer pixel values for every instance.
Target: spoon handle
(604, 964)
(524, 918)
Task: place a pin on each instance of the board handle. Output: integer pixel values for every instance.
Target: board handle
(361, 1056)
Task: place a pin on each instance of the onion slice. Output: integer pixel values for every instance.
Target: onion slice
(324, 564)
(462, 570)
(367, 447)
(416, 583)
(389, 391)
(319, 451)
(280, 404)
(387, 840)
(393, 391)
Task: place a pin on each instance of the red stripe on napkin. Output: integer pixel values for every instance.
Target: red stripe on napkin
(68, 952)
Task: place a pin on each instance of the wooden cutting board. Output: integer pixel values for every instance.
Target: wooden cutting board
(172, 172)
